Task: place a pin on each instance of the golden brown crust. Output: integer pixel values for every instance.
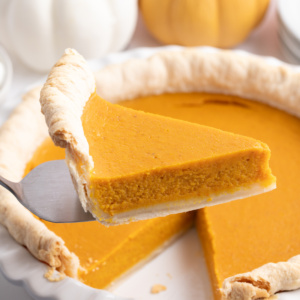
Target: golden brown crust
(19, 137)
(263, 282)
(62, 102)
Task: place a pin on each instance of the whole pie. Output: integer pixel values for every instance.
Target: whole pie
(207, 88)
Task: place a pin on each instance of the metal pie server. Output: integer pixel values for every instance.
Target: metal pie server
(48, 192)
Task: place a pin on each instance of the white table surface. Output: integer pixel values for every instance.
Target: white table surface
(262, 41)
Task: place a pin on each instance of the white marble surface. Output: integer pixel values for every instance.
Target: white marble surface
(262, 41)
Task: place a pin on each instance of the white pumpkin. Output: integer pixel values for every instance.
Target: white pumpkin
(38, 31)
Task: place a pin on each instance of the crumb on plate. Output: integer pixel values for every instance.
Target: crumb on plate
(157, 288)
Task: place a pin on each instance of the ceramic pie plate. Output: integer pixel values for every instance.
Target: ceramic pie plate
(181, 267)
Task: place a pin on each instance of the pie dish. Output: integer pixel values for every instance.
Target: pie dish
(130, 165)
(290, 105)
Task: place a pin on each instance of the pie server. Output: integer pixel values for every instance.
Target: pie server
(48, 192)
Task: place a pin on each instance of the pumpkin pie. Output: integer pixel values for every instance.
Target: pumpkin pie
(130, 165)
(200, 88)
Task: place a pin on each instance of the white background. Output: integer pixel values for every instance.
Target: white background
(262, 41)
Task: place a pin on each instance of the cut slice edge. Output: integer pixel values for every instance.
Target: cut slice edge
(63, 98)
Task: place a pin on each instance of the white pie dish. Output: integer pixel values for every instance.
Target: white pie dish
(11, 256)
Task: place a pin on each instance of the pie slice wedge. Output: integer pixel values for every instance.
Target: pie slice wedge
(129, 165)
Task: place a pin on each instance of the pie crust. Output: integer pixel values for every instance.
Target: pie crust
(183, 71)
(22, 133)
(264, 281)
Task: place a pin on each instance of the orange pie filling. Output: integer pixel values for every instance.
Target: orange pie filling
(237, 236)
(150, 165)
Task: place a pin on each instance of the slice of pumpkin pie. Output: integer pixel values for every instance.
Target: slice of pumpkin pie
(129, 165)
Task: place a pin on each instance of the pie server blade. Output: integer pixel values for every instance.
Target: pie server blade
(48, 192)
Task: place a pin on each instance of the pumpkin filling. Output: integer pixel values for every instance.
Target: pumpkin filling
(142, 159)
(238, 236)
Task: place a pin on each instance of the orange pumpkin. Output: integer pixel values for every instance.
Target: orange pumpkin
(219, 23)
